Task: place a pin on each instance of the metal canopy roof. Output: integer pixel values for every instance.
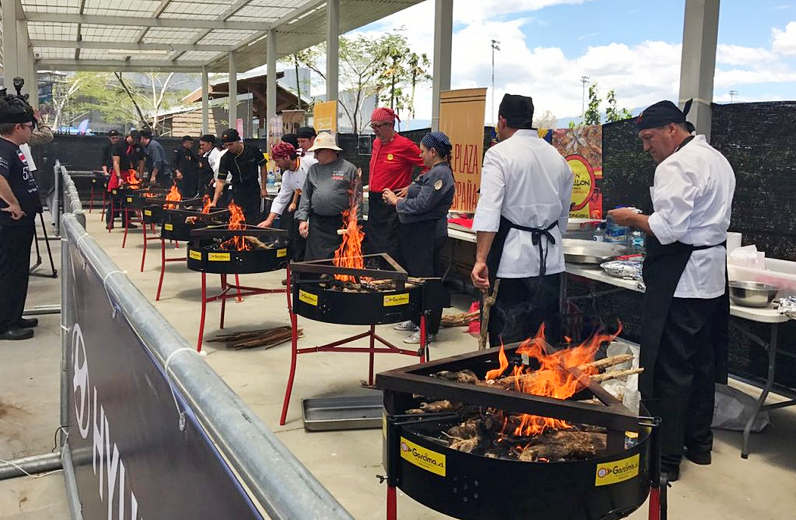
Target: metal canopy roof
(182, 35)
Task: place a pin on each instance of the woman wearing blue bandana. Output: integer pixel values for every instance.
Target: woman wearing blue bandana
(423, 217)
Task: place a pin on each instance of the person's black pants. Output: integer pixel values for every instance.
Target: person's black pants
(684, 381)
(522, 306)
(248, 198)
(382, 228)
(118, 204)
(297, 242)
(15, 243)
(420, 255)
(189, 185)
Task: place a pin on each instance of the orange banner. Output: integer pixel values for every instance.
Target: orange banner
(461, 118)
(325, 117)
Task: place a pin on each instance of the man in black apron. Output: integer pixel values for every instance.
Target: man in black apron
(246, 163)
(526, 186)
(686, 308)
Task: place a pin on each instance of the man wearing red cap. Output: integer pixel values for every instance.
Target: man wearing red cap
(391, 163)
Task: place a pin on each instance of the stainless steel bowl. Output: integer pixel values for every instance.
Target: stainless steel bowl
(591, 252)
(752, 294)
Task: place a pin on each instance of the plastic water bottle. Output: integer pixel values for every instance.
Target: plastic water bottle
(599, 233)
(637, 241)
(614, 233)
(271, 178)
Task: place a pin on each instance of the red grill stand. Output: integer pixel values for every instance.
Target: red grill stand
(147, 239)
(163, 261)
(134, 216)
(240, 292)
(385, 347)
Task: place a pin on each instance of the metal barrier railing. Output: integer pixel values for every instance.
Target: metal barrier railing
(272, 474)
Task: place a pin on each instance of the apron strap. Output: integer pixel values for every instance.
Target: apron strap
(536, 239)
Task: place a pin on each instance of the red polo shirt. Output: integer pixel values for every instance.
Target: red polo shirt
(391, 163)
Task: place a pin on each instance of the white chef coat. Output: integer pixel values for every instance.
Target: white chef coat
(291, 181)
(692, 201)
(530, 183)
(214, 159)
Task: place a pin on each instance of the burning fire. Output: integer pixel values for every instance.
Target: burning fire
(173, 195)
(206, 204)
(132, 180)
(236, 221)
(554, 378)
(349, 254)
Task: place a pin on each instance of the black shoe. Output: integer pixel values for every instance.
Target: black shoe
(131, 226)
(702, 458)
(27, 323)
(15, 334)
(672, 472)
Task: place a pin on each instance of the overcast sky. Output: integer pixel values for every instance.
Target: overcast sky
(631, 46)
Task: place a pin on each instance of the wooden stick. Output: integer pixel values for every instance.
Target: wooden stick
(509, 381)
(605, 376)
(489, 300)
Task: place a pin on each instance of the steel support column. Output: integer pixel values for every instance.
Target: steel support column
(205, 102)
(233, 91)
(443, 36)
(332, 49)
(270, 84)
(10, 42)
(698, 61)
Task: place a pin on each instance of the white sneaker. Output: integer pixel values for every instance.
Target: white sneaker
(414, 338)
(406, 326)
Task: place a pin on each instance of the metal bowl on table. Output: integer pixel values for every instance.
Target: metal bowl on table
(752, 294)
(592, 252)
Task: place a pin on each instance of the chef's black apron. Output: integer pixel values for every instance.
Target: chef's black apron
(382, 228)
(323, 240)
(419, 255)
(247, 196)
(297, 242)
(686, 415)
(523, 304)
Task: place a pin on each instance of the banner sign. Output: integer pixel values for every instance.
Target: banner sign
(138, 451)
(583, 149)
(325, 117)
(461, 118)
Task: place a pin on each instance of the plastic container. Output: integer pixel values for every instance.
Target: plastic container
(614, 233)
(599, 233)
(638, 240)
(271, 178)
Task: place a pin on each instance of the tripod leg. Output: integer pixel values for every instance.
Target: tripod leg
(47, 243)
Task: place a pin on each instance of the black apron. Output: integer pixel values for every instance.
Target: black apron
(496, 251)
(247, 196)
(297, 242)
(382, 227)
(661, 271)
(417, 247)
(323, 240)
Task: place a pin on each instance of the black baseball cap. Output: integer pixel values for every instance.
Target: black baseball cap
(292, 139)
(230, 136)
(306, 132)
(113, 133)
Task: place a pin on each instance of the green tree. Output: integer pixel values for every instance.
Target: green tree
(612, 113)
(592, 115)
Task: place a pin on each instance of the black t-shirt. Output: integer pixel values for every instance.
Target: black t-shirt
(129, 155)
(186, 160)
(14, 168)
(107, 156)
(245, 168)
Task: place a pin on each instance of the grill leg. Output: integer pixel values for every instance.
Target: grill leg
(237, 282)
(113, 215)
(423, 338)
(143, 254)
(104, 198)
(293, 359)
(224, 288)
(392, 503)
(371, 354)
(126, 226)
(162, 266)
(204, 308)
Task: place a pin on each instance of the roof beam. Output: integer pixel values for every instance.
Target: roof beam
(128, 66)
(183, 47)
(145, 22)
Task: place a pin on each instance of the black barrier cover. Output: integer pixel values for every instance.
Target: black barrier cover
(134, 457)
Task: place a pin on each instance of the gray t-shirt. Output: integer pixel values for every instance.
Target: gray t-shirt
(326, 190)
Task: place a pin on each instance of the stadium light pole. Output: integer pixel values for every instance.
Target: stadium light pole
(495, 47)
(584, 80)
(733, 93)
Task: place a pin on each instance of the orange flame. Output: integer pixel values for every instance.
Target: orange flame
(349, 254)
(206, 205)
(132, 180)
(554, 378)
(173, 195)
(236, 221)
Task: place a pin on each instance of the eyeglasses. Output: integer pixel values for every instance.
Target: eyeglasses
(31, 126)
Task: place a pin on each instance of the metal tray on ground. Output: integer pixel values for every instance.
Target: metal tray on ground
(342, 413)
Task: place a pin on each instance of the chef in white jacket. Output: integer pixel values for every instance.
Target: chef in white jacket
(686, 306)
(526, 187)
(294, 173)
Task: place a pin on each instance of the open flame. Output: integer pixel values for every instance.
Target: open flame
(553, 378)
(132, 180)
(349, 254)
(173, 195)
(206, 204)
(236, 221)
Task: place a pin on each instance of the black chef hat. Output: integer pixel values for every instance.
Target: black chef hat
(306, 132)
(292, 139)
(661, 114)
(113, 133)
(517, 110)
(230, 136)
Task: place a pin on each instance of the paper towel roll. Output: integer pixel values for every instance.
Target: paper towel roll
(733, 241)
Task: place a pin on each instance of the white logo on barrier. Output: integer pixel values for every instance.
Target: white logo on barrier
(105, 455)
